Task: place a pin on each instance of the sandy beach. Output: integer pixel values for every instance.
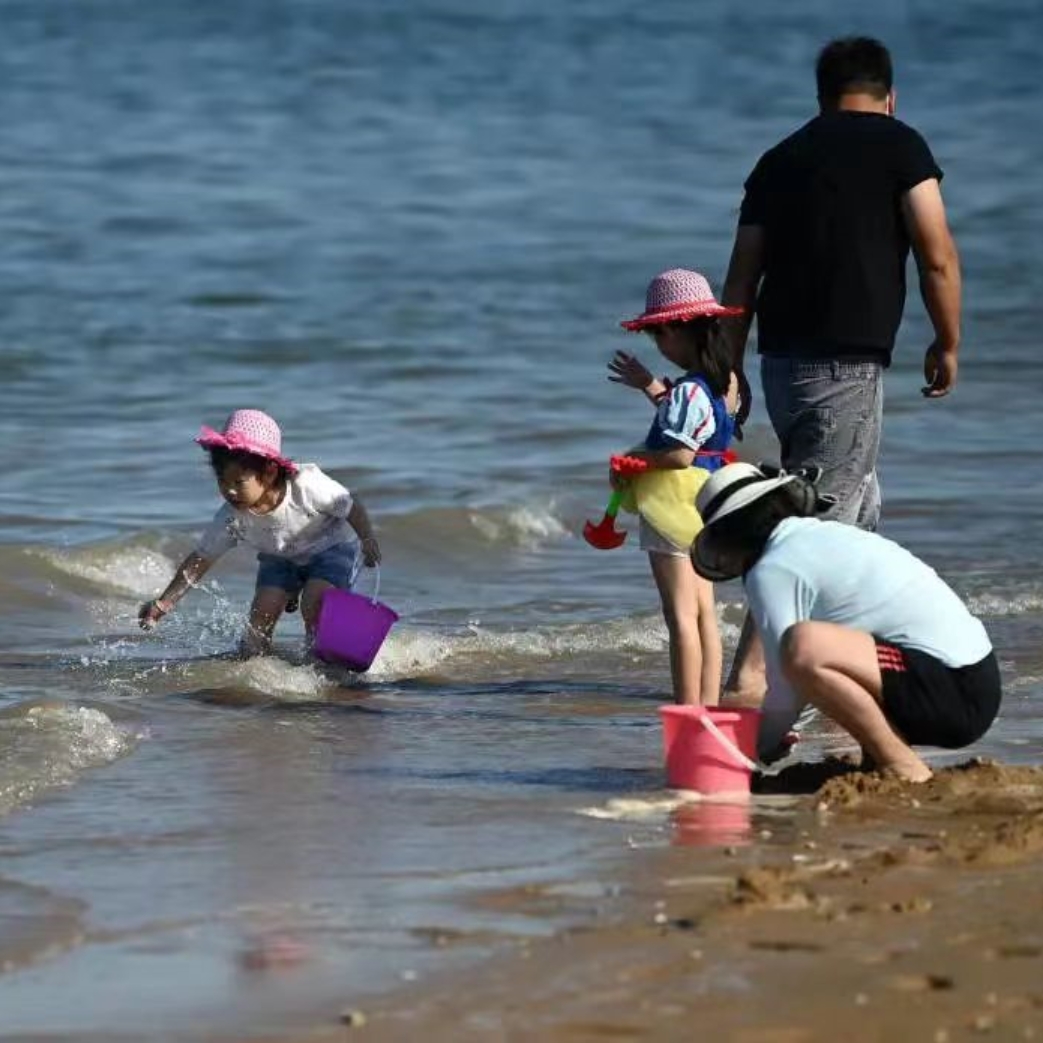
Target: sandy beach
(893, 912)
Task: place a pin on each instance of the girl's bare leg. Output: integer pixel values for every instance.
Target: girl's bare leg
(267, 607)
(709, 642)
(676, 582)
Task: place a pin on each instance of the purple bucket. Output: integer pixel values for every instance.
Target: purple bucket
(352, 628)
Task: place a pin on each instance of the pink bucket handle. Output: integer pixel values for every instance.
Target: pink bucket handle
(729, 746)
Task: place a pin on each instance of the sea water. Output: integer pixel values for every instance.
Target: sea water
(409, 232)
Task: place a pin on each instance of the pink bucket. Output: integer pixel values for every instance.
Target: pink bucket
(352, 627)
(709, 749)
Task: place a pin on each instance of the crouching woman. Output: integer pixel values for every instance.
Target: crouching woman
(852, 623)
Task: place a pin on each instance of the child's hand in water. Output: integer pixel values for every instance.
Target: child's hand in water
(370, 552)
(629, 370)
(151, 613)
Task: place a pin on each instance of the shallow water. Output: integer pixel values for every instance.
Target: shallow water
(409, 235)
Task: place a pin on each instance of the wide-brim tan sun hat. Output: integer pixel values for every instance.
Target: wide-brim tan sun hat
(725, 493)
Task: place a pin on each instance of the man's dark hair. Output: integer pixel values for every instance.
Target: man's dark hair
(853, 65)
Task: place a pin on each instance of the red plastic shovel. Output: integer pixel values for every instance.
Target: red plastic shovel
(605, 535)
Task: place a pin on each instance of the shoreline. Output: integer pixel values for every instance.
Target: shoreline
(891, 912)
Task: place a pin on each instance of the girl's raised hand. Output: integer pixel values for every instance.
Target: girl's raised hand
(629, 370)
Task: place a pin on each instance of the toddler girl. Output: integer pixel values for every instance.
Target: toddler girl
(689, 437)
(298, 519)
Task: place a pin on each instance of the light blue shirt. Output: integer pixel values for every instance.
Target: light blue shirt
(835, 573)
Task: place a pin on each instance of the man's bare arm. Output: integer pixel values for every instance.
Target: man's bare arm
(940, 286)
(740, 287)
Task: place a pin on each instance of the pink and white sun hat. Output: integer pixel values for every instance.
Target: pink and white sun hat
(678, 295)
(251, 431)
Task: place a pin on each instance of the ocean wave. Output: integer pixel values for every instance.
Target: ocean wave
(526, 526)
(136, 566)
(272, 678)
(46, 746)
(415, 651)
(997, 605)
(520, 526)
(452, 652)
(131, 567)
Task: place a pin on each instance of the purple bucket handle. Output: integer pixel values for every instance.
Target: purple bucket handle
(376, 585)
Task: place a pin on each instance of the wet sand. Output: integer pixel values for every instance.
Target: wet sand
(888, 912)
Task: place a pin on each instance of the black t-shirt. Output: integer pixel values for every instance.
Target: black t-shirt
(829, 200)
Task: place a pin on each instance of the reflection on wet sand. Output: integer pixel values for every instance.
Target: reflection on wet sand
(897, 911)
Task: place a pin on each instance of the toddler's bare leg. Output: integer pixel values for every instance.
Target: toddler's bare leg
(267, 607)
(311, 602)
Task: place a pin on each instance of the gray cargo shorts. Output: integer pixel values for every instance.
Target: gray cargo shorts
(829, 415)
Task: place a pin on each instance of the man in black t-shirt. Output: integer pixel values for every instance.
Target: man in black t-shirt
(824, 232)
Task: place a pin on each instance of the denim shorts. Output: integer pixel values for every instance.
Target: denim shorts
(338, 565)
(829, 414)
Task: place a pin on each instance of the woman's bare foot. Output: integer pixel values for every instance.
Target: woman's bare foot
(910, 769)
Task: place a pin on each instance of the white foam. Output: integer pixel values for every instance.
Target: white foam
(276, 678)
(49, 745)
(638, 809)
(659, 807)
(992, 605)
(525, 527)
(412, 651)
(128, 570)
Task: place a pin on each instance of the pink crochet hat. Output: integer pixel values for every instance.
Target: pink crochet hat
(678, 295)
(249, 430)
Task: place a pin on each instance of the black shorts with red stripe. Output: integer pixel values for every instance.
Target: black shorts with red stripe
(931, 704)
